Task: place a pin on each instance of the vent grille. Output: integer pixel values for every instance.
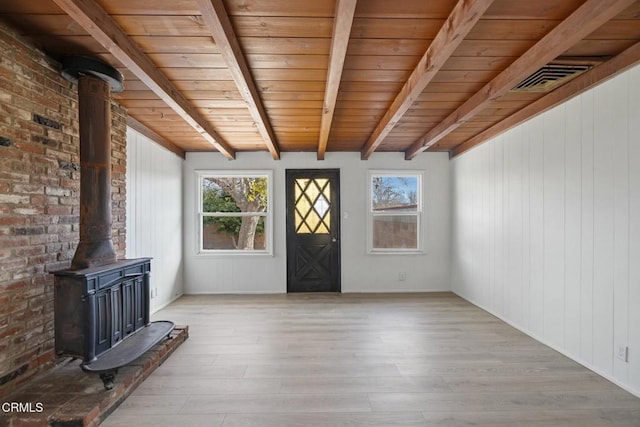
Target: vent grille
(551, 76)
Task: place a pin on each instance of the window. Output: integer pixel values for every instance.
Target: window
(312, 211)
(395, 207)
(234, 212)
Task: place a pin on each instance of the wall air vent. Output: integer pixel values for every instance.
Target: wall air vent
(551, 76)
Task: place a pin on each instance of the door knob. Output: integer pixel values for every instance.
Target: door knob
(334, 240)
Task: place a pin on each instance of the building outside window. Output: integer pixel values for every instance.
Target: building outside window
(395, 209)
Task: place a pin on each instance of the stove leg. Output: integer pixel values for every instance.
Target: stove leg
(108, 378)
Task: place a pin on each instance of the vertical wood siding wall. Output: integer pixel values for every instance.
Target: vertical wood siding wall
(546, 227)
(154, 214)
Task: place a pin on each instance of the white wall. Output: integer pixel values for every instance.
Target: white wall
(154, 214)
(360, 272)
(546, 227)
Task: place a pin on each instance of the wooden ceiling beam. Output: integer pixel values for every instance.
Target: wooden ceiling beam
(461, 20)
(158, 139)
(90, 16)
(583, 21)
(217, 19)
(575, 87)
(345, 10)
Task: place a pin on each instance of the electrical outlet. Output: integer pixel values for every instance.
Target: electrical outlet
(402, 276)
(623, 353)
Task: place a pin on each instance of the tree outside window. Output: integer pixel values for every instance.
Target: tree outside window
(234, 212)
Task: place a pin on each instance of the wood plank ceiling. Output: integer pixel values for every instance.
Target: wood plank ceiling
(334, 75)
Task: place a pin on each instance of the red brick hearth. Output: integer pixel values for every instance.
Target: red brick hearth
(68, 396)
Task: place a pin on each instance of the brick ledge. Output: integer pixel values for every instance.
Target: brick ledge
(71, 397)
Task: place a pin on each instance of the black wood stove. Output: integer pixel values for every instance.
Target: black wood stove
(101, 304)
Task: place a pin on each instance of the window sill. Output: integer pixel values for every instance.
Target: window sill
(223, 253)
(395, 252)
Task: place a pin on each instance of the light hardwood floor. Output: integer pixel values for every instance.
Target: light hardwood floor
(364, 360)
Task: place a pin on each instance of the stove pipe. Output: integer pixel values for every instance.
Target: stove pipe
(95, 81)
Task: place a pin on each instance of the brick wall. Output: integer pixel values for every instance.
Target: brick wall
(39, 201)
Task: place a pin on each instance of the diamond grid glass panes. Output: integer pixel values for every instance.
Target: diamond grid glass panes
(313, 205)
(321, 205)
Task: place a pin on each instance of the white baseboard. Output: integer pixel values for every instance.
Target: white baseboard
(166, 304)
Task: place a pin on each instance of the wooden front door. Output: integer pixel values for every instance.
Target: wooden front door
(313, 230)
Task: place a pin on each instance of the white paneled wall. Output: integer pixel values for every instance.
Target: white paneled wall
(546, 227)
(361, 272)
(154, 214)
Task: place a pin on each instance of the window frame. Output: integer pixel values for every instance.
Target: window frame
(371, 214)
(201, 175)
